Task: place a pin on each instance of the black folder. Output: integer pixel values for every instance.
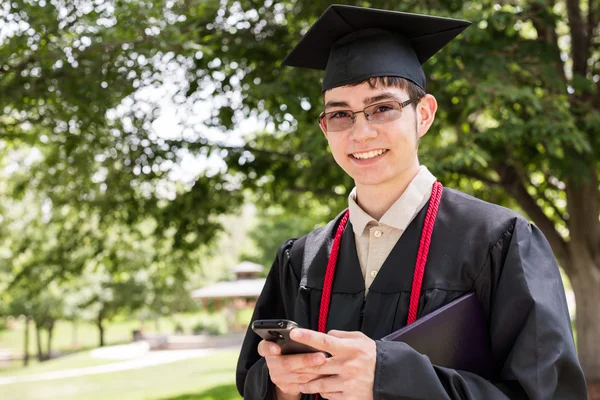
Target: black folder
(454, 336)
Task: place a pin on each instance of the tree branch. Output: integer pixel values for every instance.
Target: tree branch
(251, 149)
(476, 175)
(514, 185)
(204, 144)
(591, 24)
(545, 199)
(547, 34)
(579, 50)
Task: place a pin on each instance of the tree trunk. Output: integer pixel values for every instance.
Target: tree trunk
(100, 327)
(49, 344)
(586, 285)
(26, 341)
(584, 272)
(38, 335)
(74, 343)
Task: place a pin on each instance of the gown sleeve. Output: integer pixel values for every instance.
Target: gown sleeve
(275, 301)
(530, 330)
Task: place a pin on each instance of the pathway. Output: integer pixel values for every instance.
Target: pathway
(137, 355)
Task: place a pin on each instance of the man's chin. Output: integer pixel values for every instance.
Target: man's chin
(370, 180)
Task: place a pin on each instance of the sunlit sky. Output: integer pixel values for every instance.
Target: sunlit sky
(172, 120)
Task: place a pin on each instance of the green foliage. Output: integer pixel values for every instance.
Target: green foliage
(276, 225)
(244, 316)
(501, 91)
(203, 328)
(70, 95)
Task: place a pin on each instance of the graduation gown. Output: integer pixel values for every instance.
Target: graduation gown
(475, 247)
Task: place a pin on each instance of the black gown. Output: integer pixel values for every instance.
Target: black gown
(475, 246)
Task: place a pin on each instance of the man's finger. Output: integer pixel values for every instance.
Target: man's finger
(333, 396)
(304, 377)
(318, 340)
(295, 362)
(327, 384)
(266, 349)
(345, 334)
(331, 366)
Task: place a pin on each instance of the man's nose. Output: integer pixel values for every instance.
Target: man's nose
(362, 130)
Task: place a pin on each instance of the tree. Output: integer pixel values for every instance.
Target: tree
(275, 225)
(99, 267)
(71, 94)
(518, 123)
(47, 309)
(21, 305)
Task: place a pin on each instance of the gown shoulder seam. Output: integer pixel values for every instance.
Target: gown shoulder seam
(509, 231)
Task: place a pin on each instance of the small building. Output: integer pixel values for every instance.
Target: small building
(231, 296)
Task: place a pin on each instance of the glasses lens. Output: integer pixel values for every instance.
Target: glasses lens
(337, 120)
(384, 112)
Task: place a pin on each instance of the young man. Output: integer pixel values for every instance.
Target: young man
(358, 279)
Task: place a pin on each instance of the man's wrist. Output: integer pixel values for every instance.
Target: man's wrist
(279, 395)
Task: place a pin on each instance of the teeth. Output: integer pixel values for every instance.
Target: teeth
(368, 154)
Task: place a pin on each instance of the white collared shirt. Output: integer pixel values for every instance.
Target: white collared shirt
(376, 239)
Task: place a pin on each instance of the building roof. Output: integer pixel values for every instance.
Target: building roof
(247, 267)
(228, 289)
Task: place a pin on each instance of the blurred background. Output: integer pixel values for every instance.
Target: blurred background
(154, 155)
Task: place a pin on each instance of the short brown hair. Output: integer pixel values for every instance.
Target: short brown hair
(414, 91)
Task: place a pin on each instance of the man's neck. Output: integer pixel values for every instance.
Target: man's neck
(375, 200)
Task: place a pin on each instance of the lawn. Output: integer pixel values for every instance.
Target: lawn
(208, 378)
(120, 331)
(79, 360)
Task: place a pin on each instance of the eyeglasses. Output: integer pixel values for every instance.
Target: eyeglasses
(378, 113)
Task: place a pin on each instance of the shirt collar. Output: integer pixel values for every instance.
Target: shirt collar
(402, 212)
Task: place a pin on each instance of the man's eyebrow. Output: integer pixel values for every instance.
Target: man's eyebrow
(366, 100)
(332, 104)
(380, 97)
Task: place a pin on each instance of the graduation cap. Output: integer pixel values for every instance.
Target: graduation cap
(353, 44)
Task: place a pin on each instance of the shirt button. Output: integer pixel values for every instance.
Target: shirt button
(374, 272)
(378, 234)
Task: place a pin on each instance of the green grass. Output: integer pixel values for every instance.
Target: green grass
(222, 392)
(79, 360)
(208, 378)
(87, 336)
(119, 331)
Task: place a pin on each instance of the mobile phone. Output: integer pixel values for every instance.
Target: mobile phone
(278, 331)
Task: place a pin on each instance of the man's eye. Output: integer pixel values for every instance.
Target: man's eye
(383, 108)
(339, 114)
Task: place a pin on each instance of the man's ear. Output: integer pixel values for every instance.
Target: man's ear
(323, 129)
(426, 109)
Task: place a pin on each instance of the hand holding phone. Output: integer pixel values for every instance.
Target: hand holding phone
(278, 331)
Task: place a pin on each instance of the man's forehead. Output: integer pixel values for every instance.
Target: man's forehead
(362, 94)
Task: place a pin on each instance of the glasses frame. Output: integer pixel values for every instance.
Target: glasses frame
(368, 116)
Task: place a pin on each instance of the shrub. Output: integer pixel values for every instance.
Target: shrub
(205, 328)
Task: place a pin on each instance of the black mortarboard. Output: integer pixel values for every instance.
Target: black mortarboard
(353, 44)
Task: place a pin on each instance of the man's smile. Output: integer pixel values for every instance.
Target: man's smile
(369, 154)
